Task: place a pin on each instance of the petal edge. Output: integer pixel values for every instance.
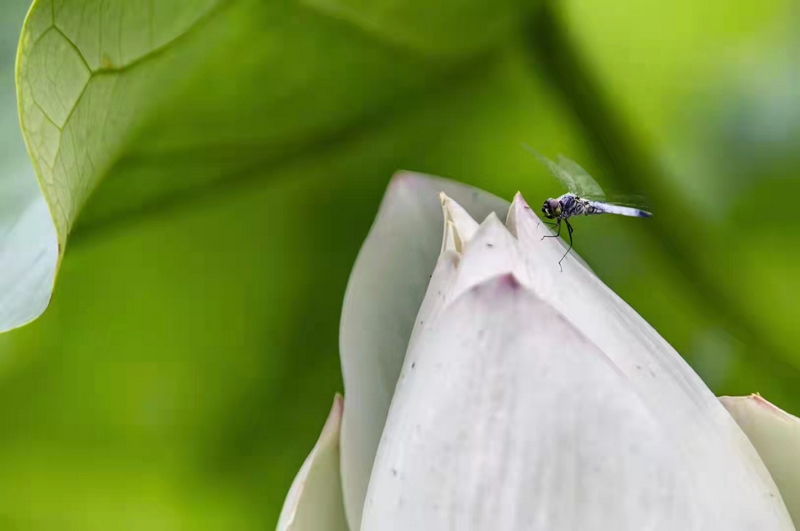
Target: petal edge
(776, 437)
(383, 297)
(314, 501)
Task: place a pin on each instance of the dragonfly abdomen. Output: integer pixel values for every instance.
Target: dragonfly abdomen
(598, 207)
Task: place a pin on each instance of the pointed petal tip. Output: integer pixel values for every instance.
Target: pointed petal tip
(464, 226)
(314, 500)
(492, 218)
(755, 400)
(775, 434)
(412, 181)
(519, 202)
(402, 177)
(398, 179)
(490, 229)
(519, 211)
(335, 416)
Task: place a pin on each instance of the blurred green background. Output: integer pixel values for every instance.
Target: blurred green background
(189, 356)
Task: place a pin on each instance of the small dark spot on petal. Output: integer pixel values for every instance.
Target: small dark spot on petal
(509, 281)
(413, 364)
(394, 472)
(489, 245)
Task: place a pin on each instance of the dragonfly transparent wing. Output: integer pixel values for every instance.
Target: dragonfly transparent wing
(584, 185)
(562, 175)
(588, 188)
(578, 181)
(634, 201)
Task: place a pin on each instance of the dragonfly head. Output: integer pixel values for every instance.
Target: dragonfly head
(551, 208)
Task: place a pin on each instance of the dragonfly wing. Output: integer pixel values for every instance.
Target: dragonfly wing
(628, 200)
(585, 185)
(563, 176)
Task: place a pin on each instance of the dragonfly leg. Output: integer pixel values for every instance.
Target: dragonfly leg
(539, 220)
(558, 232)
(569, 230)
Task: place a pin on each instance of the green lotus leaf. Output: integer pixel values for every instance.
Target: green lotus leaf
(109, 91)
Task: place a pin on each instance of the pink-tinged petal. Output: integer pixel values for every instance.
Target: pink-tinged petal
(776, 436)
(383, 298)
(314, 502)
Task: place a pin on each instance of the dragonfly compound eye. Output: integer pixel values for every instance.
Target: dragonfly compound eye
(552, 208)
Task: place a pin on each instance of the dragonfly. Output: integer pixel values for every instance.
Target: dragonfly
(584, 198)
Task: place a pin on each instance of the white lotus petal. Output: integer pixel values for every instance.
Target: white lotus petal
(450, 241)
(314, 502)
(710, 438)
(776, 436)
(490, 252)
(457, 219)
(507, 417)
(383, 297)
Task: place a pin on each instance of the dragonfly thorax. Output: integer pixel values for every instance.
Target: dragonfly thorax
(566, 206)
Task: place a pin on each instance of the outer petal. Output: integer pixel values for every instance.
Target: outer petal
(776, 436)
(383, 297)
(314, 502)
(507, 417)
